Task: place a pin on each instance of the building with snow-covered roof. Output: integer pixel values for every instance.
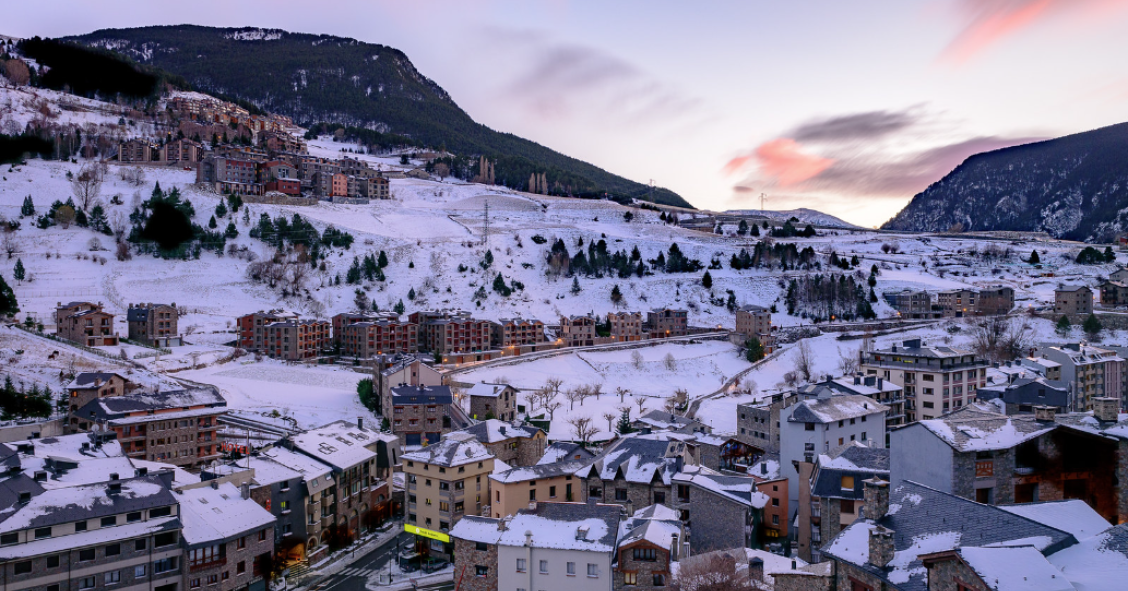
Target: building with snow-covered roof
(559, 451)
(252, 327)
(153, 324)
(650, 542)
(981, 454)
(423, 413)
(515, 443)
(756, 321)
(1090, 372)
(1073, 300)
(935, 379)
(447, 332)
(1020, 393)
(516, 332)
(88, 385)
(709, 499)
(85, 323)
(667, 322)
(370, 334)
(176, 426)
(513, 489)
(228, 538)
(392, 371)
(813, 426)
(446, 481)
(873, 387)
(296, 340)
(1072, 516)
(578, 330)
(496, 401)
(634, 472)
(660, 420)
(831, 493)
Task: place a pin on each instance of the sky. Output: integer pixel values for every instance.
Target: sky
(850, 108)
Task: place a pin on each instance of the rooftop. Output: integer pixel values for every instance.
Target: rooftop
(636, 460)
(422, 395)
(741, 489)
(220, 513)
(340, 444)
(495, 431)
(831, 409)
(454, 449)
(564, 450)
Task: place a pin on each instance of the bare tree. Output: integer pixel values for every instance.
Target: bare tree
(583, 428)
(714, 571)
(574, 394)
(10, 244)
(553, 385)
(87, 185)
(848, 361)
(442, 170)
(552, 407)
(1000, 338)
(636, 360)
(595, 390)
(804, 363)
(670, 362)
(670, 404)
(118, 226)
(610, 418)
(622, 392)
(641, 402)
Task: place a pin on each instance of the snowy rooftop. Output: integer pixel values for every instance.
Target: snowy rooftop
(659, 532)
(422, 395)
(92, 379)
(487, 390)
(537, 472)
(62, 505)
(563, 450)
(834, 408)
(565, 526)
(659, 419)
(477, 529)
(114, 407)
(974, 428)
(89, 538)
(454, 449)
(216, 514)
(1100, 562)
(741, 489)
(277, 463)
(636, 459)
(340, 444)
(1015, 569)
(1073, 516)
(494, 431)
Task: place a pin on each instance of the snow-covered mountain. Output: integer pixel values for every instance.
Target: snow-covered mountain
(804, 215)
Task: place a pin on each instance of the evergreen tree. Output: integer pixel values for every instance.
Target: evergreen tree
(1063, 326)
(19, 272)
(753, 350)
(754, 230)
(220, 210)
(382, 260)
(399, 307)
(742, 229)
(500, 287)
(624, 425)
(1109, 256)
(360, 300)
(28, 208)
(854, 262)
(576, 286)
(411, 294)
(616, 294)
(707, 280)
(8, 304)
(1034, 260)
(487, 260)
(1092, 326)
(211, 223)
(231, 232)
(98, 221)
(80, 219)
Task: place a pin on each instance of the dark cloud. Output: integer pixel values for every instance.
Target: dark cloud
(857, 126)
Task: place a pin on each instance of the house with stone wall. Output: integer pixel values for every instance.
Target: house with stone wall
(498, 401)
(634, 472)
(514, 443)
(708, 499)
(831, 497)
(650, 542)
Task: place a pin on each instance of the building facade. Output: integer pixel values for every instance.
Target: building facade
(936, 380)
(1073, 300)
(85, 323)
(154, 324)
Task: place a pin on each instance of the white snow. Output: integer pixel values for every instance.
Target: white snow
(1072, 516)
(217, 514)
(1091, 565)
(1015, 569)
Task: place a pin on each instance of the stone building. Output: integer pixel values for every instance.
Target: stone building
(514, 443)
(516, 332)
(421, 413)
(1021, 393)
(88, 386)
(982, 455)
(650, 544)
(252, 327)
(958, 303)
(370, 338)
(634, 471)
(831, 494)
(578, 331)
(935, 380)
(179, 427)
(497, 401)
(513, 489)
(1073, 300)
(909, 303)
(1114, 293)
(625, 326)
(228, 538)
(445, 482)
(136, 150)
(182, 151)
(708, 498)
(393, 371)
(451, 331)
(667, 322)
(296, 340)
(85, 323)
(224, 175)
(758, 422)
(873, 387)
(154, 324)
(475, 549)
(996, 300)
(756, 321)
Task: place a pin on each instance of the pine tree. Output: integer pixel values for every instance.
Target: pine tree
(754, 230)
(232, 232)
(1063, 326)
(221, 209)
(624, 425)
(8, 304)
(753, 350)
(1109, 256)
(707, 280)
(616, 295)
(382, 260)
(28, 208)
(1092, 326)
(1033, 260)
(411, 294)
(576, 286)
(19, 272)
(742, 229)
(211, 223)
(360, 300)
(399, 307)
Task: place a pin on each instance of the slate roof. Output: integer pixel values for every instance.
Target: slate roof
(1072, 288)
(115, 407)
(340, 444)
(63, 505)
(564, 450)
(455, 449)
(855, 460)
(637, 459)
(741, 489)
(422, 395)
(558, 525)
(663, 420)
(488, 390)
(1100, 562)
(537, 472)
(925, 520)
(88, 379)
(494, 431)
(834, 408)
(219, 514)
(141, 313)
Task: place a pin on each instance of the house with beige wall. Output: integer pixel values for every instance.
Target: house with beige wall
(513, 489)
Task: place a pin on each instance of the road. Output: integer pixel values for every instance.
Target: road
(361, 574)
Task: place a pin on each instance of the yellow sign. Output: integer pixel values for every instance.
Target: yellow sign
(426, 533)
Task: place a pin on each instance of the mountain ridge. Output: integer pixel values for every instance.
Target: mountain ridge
(325, 78)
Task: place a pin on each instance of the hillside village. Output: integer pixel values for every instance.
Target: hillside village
(348, 348)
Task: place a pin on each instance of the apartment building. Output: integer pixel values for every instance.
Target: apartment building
(498, 401)
(1073, 300)
(451, 331)
(513, 489)
(252, 331)
(182, 151)
(121, 534)
(634, 471)
(1114, 293)
(296, 340)
(85, 323)
(154, 324)
(137, 150)
(514, 443)
(230, 175)
(936, 380)
(758, 422)
(756, 321)
(625, 326)
(1089, 372)
(179, 427)
(706, 497)
(88, 386)
(517, 332)
(814, 426)
(349, 502)
(370, 338)
(280, 141)
(421, 414)
(391, 371)
(996, 301)
(1022, 391)
(578, 331)
(872, 387)
(910, 303)
(832, 495)
(958, 303)
(227, 537)
(668, 322)
(445, 481)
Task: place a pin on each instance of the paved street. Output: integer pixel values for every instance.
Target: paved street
(361, 574)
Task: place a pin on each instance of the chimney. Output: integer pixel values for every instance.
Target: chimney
(756, 569)
(1047, 414)
(532, 506)
(857, 380)
(40, 476)
(763, 468)
(360, 423)
(245, 490)
(880, 546)
(674, 547)
(630, 508)
(876, 498)
(113, 476)
(1106, 409)
(115, 487)
(25, 497)
(503, 524)
(528, 538)
(142, 472)
(215, 484)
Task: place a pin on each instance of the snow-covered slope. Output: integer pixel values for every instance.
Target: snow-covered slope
(804, 215)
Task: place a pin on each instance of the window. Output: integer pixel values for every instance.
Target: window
(775, 519)
(552, 492)
(133, 517)
(87, 583)
(113, 549)
(164, 539)
(160, 512)
(113, 577)
(520, 565)
(43, 532)
(194, 583)
(544, 567)
(532, 494)
(630, 578)
(164, 565)
(140, 545)
(8, 539)
(593, 570)
(139, 571)
(22, 568)
(928, 405)
(284, 506)
(262, 535)
(571, 569)
(80, 526)
(53, 561)
(775, 501)
(109, 521)
(620, 494)
(241, 543)
(481, 571)
(645, 554)
(86, 555)
(847, 483)
(846, 506)
(241, 567)
(659, 580)
(53, 587)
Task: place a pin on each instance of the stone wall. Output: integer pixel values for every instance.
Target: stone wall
(527, 452)
(831, 521)
(643, 570)
(949, 575)
(846, 574)
(720, 523)
(466, 558)
(638, 494)
(277, 199)
(802, 582)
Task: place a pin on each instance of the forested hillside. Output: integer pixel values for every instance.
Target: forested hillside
(322, 78)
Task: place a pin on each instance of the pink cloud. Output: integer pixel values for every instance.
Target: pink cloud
(988, 21)
(784, 159)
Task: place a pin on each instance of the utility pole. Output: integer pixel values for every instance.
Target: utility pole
(486, 224)
(762, 197)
